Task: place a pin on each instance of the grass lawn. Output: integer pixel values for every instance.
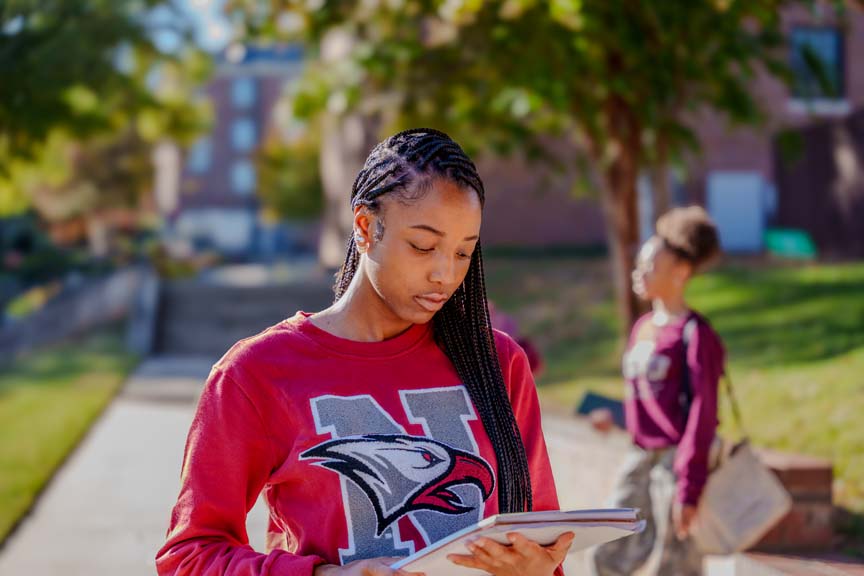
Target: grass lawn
(48, 400)
(794, 335)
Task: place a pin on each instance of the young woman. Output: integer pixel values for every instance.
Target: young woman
(672, 366)
(383, 423)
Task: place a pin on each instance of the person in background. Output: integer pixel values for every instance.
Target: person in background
(672, 365)
(505, 323)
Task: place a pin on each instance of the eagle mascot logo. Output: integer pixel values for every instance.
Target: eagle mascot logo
(400, 474)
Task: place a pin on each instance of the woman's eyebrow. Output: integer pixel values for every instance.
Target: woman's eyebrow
(438, 232)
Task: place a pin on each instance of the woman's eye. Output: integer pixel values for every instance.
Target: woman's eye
(423, 250)
(460, 255)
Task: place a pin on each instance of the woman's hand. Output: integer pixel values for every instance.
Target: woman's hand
(601, 419)
(684, 517)
(371, 567)
(523, 557)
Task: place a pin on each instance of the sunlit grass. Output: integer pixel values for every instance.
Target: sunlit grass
(48, 400)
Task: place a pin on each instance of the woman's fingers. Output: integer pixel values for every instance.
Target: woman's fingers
(601, 419)
(377, 567)
(486, 554)
(469, 562)
(492, 547)
(524, 546)
(529, 548)
(491, 553)
(492, 567)
(522, 554)
(559, 549)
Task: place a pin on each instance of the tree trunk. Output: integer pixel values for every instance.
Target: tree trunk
(620, 207)
(345, 143)
(98, 236)
(346, 140)
(622, 233)
(661, 194)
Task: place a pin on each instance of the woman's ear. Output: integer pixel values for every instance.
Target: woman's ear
(362, 226)
(683, 272)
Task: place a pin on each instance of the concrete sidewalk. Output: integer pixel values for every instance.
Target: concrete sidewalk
(107, 509)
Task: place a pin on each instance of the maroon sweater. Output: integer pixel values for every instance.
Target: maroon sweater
(654, 366)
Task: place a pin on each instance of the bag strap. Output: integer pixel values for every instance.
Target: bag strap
(686, 396)
(733, 403)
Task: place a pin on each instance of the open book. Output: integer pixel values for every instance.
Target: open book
(592, 527)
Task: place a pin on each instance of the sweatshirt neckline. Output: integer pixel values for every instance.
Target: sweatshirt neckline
(395, 346)
(672, 320)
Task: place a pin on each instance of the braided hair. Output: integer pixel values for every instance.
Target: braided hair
(403, 165)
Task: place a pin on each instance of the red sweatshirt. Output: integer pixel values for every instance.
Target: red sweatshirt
(362, 450)
(654, 366)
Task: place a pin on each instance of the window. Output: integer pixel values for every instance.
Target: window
(243, 93)
(198, 161)
(243, 134)
(817, 63)
(243, 177)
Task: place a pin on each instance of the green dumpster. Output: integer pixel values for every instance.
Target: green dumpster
(790, 243)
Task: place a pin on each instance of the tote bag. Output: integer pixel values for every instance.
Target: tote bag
(743, 499)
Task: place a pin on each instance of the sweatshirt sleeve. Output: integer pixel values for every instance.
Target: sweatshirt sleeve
(705, 357)
(228, 459)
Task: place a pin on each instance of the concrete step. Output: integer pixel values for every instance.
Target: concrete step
(809, 525)
(763, 564)
(202, 302)
(203, 319)
(206, 340)
(169, 380)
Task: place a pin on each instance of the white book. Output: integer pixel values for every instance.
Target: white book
(591, 527)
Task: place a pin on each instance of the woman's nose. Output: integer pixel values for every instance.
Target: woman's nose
(444, 271)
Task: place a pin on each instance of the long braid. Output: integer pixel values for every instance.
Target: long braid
(462, 327)
(346, 273)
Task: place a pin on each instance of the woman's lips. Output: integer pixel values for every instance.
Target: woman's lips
(431, 302)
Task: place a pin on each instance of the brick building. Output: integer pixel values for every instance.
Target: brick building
(217, 203)
(741, 174)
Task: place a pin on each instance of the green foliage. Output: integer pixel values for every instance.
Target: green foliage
(498, 74)
(59, 61)
(86, 93)
(28, 254)
(31, 301)
(790, 145)
(289, 179)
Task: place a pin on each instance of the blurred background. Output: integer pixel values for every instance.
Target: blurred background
(174, 176)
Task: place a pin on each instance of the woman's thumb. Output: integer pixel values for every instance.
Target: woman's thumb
(562, 545)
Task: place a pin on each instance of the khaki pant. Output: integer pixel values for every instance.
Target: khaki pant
(646, 481)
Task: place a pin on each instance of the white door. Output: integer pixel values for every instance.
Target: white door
(736, 202)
